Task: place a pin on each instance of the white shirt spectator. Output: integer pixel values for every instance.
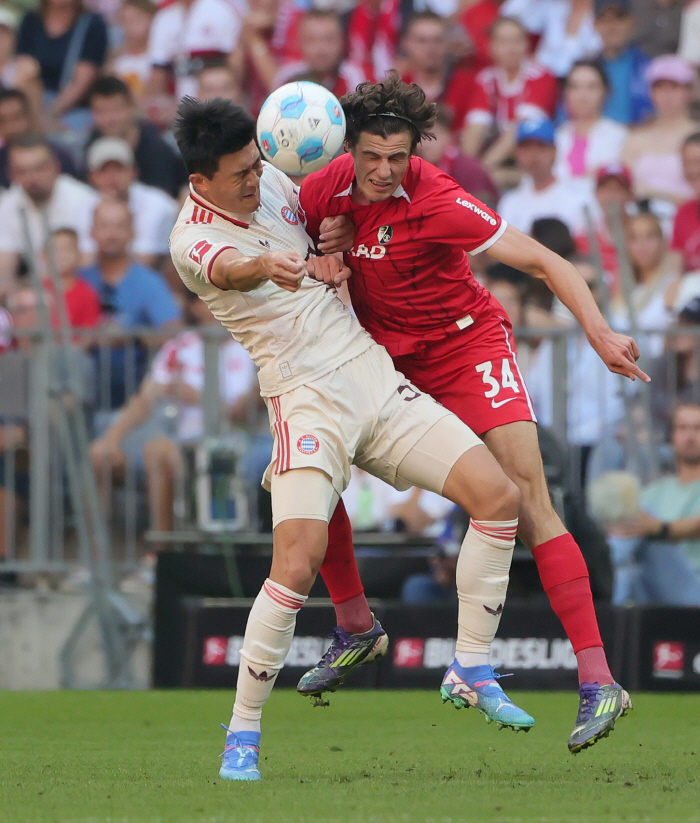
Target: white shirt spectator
(565, 200)
(183, 359)
(594, 394)
(689, 46)
(603, 146)
(71, 206)
(557, 49)
(179, 36)
(154, 213)
(134, 70)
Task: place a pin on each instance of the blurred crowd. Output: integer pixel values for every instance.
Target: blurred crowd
(579, 120)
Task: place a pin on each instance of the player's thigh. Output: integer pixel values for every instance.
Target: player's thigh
(516, 447)
(451, 460)
(303, 501)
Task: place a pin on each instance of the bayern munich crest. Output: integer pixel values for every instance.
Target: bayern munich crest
(289, 215)
(307, 444)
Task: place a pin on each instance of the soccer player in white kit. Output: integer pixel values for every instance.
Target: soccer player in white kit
(334, 398)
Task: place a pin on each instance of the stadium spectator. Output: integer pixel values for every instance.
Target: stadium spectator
(81, 300)
(566, 30)
(116, 115)
(16, 121)
(113, 173)
(686, 226)
(37, 187)
(540, 193)
(658, 25)
(219, 81)
(321, 40)
(653, 274)
(131, 61)
(676, 373)
(624, 62)
(444, 153)
(477, 19)
(184, 35)
(613, 191)
(373, 35)
(593, 394)
(667, 553)
(70, 45)
(131, 297)
(512, 90)
(587, 140)
(18, 71)
(176, 376)
(427, 62)
(653, 152)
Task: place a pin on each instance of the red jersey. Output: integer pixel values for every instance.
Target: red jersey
(686, 235)
(531, 96)
(411, 249)
(456, 93)
(82, 305)
(477, 20)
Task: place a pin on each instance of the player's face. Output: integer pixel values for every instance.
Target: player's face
(236, 185)
(380, 165)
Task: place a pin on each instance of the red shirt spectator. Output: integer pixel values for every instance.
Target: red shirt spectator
(373, 35)
(477, 19)
(686, 235)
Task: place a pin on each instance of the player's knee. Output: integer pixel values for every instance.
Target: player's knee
(503, 502)
(298, 555)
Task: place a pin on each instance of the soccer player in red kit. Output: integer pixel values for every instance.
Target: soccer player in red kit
(413, 290)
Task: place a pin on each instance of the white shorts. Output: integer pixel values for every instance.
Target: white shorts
(364, 412)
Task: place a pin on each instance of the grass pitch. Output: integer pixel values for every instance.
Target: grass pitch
(372, 757)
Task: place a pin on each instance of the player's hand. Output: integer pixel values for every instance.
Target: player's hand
(328, 270)
(336, 234)
(285, 268)
(619, 353)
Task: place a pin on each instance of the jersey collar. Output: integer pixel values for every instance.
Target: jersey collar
(400, 192)
(241, 220)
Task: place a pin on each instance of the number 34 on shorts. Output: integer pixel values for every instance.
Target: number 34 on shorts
(498, 387)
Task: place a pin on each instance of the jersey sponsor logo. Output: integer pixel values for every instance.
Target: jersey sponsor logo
(372, 253)
(289, 216)
(199, 251)
(473, 207)
(307, 444)
(384, 234)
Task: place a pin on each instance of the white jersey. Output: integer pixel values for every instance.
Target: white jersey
(293, 337)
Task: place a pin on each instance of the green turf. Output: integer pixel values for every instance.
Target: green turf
(380, 757)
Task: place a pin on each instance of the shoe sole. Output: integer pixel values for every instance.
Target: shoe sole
(234, 776)
(380, 649)
(625, 707)
(461, 703)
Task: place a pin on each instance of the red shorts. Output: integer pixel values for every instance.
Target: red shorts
(473, 373)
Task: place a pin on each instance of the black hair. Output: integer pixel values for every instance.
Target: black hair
(594, 65)
(110, 87)
(554, 235)
(502, 273)
(15, 94)
(691, 140)
(32, 140)
(206, 131)
(404, 108)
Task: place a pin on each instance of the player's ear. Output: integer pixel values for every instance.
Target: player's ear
(199, 181)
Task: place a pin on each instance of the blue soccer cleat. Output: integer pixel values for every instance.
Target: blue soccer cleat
(346, 652)
(477, 686)
(240, 757)
(598, 709)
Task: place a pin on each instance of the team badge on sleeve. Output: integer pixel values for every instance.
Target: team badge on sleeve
(307, 444)
(199, 251)
(384, 234)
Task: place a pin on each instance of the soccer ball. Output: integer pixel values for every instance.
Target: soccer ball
(301, 127)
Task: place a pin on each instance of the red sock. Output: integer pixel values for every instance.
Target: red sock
(342, 577)
(564, 576)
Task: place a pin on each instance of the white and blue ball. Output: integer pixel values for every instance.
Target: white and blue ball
(301, 127)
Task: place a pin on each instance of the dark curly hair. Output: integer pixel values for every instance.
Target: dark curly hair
(405, 108)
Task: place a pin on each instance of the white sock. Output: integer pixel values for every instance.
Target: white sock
(268, 636)
(482, 579)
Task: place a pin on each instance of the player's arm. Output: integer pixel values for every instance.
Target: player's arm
(618, 351)
(232, 271)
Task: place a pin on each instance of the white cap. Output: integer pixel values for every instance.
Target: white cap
(109, 149)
